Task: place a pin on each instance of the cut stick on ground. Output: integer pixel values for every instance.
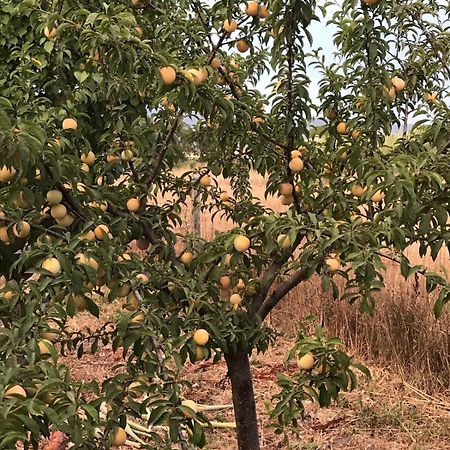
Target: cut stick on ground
(213, 407)
(131, 433)
(214, 424)
(133, 444)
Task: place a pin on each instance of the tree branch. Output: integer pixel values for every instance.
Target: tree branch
(270, 276)
(36, 227)
(281, 291)
(159, 160)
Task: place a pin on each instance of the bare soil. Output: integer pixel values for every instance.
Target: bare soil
(385, 413)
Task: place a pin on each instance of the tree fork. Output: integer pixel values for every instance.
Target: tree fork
(238, 364)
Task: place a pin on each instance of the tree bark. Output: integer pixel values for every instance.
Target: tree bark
(243, 400)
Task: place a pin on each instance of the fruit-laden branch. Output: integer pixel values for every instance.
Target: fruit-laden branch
(40, 228)
(159, 160)
(283, 289)
(73, 204)
(271, 274)
(290, 116)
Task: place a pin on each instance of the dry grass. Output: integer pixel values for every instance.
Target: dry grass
(403, 331)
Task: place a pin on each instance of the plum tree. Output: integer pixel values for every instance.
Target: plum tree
(100, 101)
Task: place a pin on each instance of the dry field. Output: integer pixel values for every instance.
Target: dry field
(403, 332)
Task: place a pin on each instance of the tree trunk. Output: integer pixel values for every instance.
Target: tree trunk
(243, 400)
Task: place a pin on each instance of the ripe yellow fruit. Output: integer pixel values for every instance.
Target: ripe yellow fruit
(201, 337)
(52, 265)
(296, 165)
(225, 282)
(296, 154)
(430, 97)
(306, 362)
(4, 237)
(391, 93)
(49, 335)
(21, 229)
(54, 197)
(358, 190)
(7, 174)
(58, 211)
(284, 241)
(119, 437)
(264, 12)
(196, 76)
(19, 201)
(142, 277)
(257, 120)
(252, 9)
(133, 205)
(15, 392)
(398, 83)
(241, 243)
(224, 197)
(342, 128)
(137, 318)
(286, 200)
(101, 232)
(69, 124)
(112, 158)
(8, 295)
(205, 181)
(45, 347)
(168, 74)
(377, 197)
(88, 236)
(230, 25)
(50, 33)
(235, 300)
(242, 45)
(88, 158)
(356, 134)
(132, 303)
(215, 63)
(191, 405)
(66, 221)
(333, 264)
(240, 284)
(285, 189)
(186, 258)
(126, 155)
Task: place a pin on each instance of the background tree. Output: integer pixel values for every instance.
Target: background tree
(93, 101)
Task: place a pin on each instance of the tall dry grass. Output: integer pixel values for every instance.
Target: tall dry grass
(402, 333)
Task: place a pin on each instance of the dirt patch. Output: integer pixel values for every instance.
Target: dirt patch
(383, 414)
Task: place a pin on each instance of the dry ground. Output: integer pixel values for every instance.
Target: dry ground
(383, 414)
